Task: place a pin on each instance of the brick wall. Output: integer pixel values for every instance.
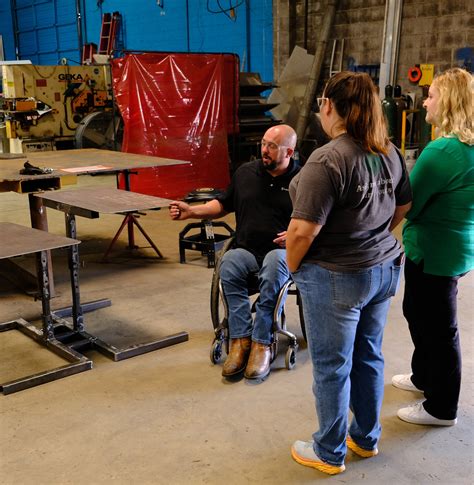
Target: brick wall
(431, 32)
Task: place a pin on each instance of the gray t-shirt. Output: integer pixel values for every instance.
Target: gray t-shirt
(353, 195)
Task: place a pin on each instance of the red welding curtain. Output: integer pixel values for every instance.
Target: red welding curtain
(179, 106)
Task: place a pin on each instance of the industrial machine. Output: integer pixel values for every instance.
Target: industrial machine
(100, 129)
(42, 106)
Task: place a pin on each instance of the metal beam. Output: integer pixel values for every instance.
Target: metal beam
(321, 43)
(390, 44)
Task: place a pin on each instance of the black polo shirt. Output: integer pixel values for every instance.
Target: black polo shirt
(262, 206)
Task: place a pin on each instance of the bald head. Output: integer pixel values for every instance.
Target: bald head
(278, 146)
(284, 133)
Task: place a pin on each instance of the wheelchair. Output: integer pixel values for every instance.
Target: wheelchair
(220, 313)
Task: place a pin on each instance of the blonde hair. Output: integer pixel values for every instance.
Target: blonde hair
(455, 105)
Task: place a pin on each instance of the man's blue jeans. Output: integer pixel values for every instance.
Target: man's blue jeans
(345, 316)
(236, 266)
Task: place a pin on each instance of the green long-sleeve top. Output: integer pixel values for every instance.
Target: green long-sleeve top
(440, 225)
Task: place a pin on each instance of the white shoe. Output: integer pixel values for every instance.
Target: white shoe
(417, 414)
(403, 381)
(303, 453)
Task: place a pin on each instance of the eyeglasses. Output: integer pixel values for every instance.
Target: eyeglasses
(319, 101)
(271, 145)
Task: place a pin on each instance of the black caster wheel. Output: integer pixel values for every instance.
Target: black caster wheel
(216, 352)
(290, 358)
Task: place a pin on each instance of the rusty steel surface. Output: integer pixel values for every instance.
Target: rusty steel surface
(16, 240)
(105, 200)
(81, 161)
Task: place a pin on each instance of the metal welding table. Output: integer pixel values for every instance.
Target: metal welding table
(91, 161)
(89, 203)
(19, 240)
(66, 165)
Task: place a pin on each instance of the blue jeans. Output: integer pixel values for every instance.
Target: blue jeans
(345, 316)
(236, 266)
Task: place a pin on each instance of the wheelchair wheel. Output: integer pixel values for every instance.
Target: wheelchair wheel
(290, 358)
(216, 352)
(218, 310)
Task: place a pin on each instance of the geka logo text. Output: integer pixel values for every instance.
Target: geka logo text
(70, 77)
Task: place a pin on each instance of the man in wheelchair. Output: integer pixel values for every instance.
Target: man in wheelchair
(258, 194)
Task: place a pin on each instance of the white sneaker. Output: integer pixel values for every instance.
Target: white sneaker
(303, 453)
(417, 414)
(403, 381)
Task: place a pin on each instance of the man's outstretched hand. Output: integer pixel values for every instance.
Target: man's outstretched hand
(179, 210)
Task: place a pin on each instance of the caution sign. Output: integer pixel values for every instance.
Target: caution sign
(427, 73)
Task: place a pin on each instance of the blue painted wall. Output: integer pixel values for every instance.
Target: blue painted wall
(147, 26)
(47, 28)
(6, 29)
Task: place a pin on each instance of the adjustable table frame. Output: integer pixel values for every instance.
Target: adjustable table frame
(19, 240)
(67, 165)
(89, 203)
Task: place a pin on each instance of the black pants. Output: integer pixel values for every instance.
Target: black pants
(429, 305)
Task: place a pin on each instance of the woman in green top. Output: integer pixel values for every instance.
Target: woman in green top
(439, 239)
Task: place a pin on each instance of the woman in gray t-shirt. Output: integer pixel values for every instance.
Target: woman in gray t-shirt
(346, 263)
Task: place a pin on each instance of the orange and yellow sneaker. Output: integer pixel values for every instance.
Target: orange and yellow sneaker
(303, 453)
(362, 452)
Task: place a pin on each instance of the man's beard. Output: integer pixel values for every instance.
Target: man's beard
(269, 166)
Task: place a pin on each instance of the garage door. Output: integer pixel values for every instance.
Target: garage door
(46, 30)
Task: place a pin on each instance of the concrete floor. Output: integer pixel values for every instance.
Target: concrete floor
(168, 416)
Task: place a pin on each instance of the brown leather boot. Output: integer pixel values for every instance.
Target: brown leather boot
(238, 356)
(258, 365)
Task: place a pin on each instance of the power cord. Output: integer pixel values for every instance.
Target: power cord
(229, 12)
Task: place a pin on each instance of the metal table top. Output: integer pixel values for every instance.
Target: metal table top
(84, 161)
(90, 201)
(16, 240)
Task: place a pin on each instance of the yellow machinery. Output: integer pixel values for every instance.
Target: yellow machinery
(43, 105)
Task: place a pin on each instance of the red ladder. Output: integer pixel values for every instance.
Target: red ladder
(88, 51)
(108, 32)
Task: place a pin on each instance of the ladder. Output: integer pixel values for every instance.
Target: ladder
(88, 51)
(108, 32)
